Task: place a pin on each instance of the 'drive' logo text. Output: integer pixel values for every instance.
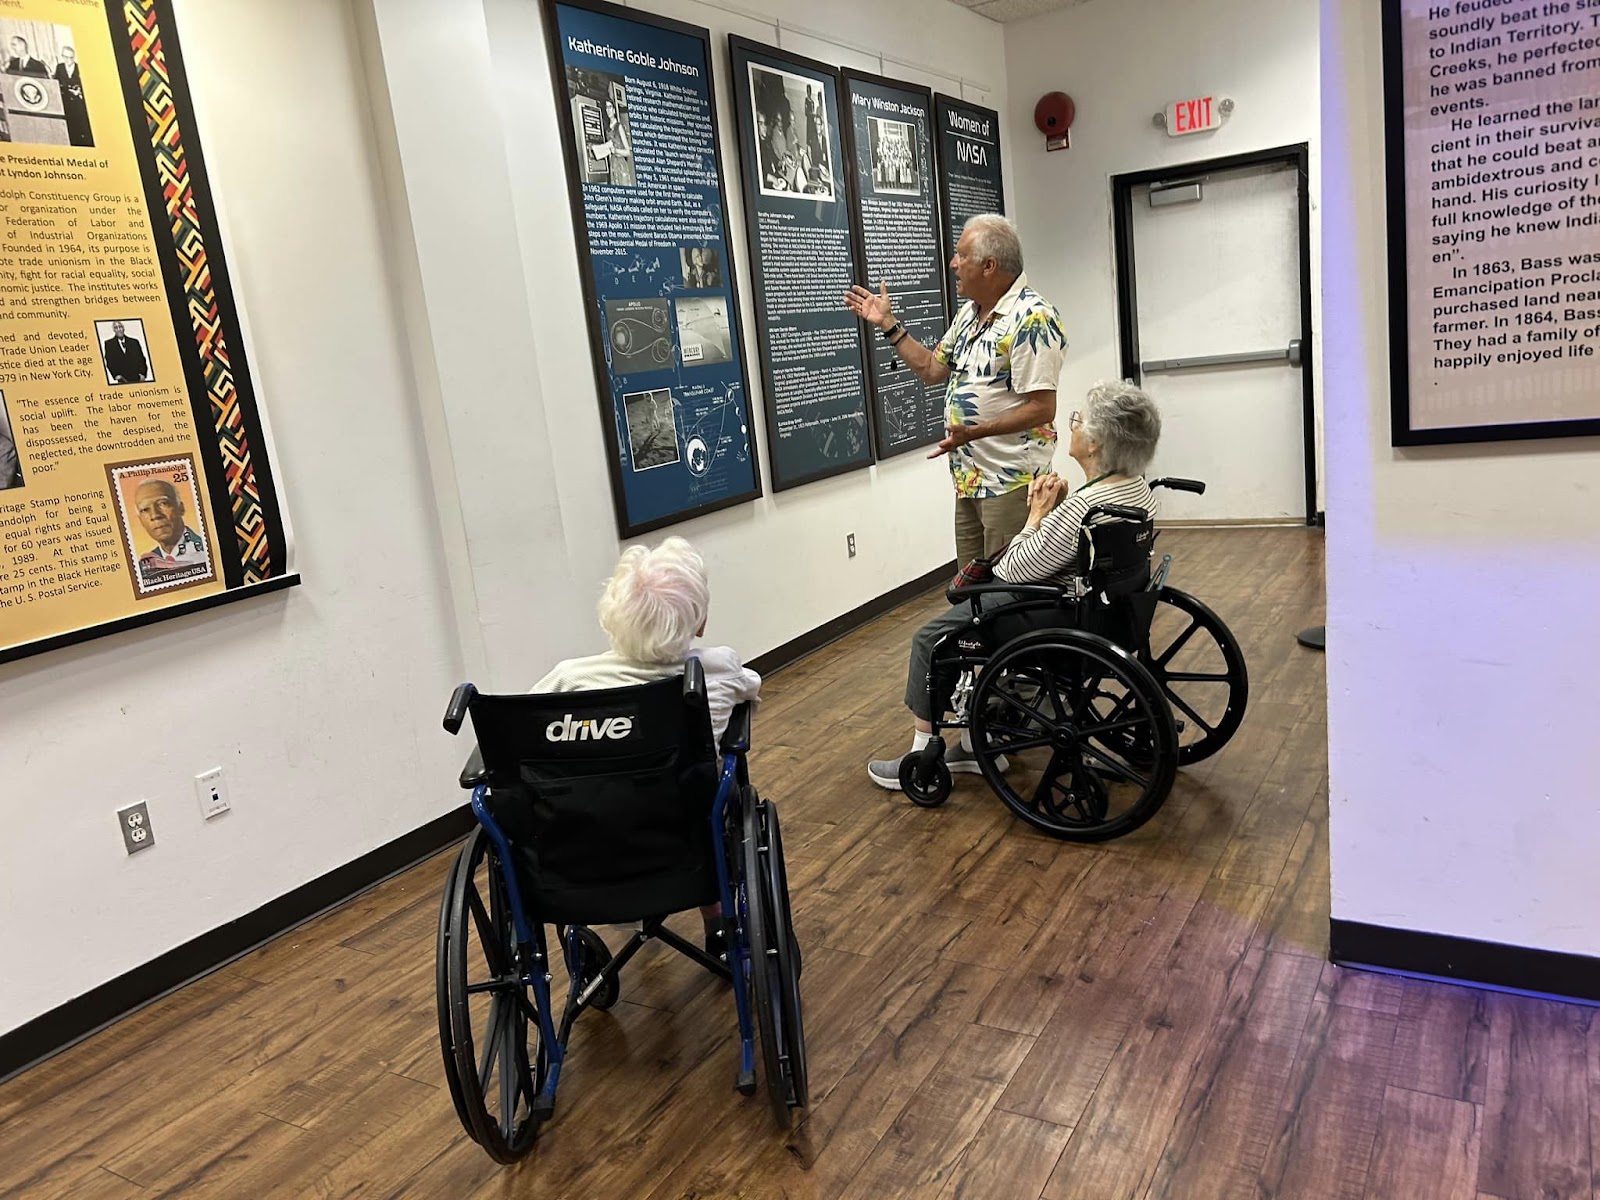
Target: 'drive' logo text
(590, 729)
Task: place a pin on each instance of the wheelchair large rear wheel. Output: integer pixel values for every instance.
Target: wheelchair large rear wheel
(1197, 661)
(774, 960)
(1088, 734)
(494, 1059)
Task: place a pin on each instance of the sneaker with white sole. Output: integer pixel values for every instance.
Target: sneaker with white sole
(962, 761)
(885, 772)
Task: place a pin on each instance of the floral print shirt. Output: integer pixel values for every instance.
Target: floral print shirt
(993, 366)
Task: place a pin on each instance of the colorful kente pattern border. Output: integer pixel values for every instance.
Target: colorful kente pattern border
(205, 316)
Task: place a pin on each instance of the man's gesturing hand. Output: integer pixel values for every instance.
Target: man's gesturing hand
(870, 306)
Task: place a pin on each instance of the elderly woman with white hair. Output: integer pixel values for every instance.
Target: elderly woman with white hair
(1114, 438)
(654, 605)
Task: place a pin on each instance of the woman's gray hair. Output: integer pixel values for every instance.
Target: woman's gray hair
(995, 237)
(655, 602)
(1125, 424)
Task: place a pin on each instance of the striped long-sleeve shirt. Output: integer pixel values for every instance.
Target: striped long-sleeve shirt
(1049, 554)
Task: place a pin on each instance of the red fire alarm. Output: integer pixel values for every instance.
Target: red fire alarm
(1053, 115)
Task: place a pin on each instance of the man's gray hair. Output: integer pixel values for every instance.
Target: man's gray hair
(995, 237)
(1125, 423)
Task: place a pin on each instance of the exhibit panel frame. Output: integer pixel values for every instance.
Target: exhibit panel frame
(669, 367)
(950, 139)
(1481, 329)
(137, 478)
(906, 413)
(788, 192)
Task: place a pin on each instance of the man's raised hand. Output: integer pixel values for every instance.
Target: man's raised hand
(870, 306)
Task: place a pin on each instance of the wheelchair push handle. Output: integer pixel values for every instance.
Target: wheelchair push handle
(694, 682)
(1119, 512)
(460, 700)
(1181, 485)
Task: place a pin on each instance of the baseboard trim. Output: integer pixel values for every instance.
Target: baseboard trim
(1234, 523)
(1464, 960)
(809, 643)
(52, 1032)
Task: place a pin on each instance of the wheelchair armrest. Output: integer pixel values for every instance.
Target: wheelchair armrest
(474, 772)
(1037, 590)
(460, 701)
(1181, 485)
(736, 738)
(694, 683)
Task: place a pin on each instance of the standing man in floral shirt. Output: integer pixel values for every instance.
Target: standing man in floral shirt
(1000, 362)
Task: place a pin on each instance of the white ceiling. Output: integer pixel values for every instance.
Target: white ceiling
(1016, 10)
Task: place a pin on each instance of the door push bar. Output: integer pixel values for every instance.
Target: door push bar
(1291, 355)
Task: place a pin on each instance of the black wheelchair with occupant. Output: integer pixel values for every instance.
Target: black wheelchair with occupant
(1081, 702)
(599, 808)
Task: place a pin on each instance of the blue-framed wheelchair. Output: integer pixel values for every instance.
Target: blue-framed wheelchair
(599, 808)
(1083, 701)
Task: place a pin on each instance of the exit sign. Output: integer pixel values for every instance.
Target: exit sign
(1193, 116)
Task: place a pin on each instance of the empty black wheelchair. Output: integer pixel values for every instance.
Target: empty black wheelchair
(1083, 702)
(604, 807)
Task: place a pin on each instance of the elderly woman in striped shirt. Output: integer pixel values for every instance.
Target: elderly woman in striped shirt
(1113, 440)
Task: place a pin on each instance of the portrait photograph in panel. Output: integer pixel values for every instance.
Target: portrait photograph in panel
(41, 86)
(701, 267)
(640, 339)
(703, 335)
(600, 126)
(162, 524)
(792, 142)
(895, 169)
(10, 460)
(124, 352)
(652, 429)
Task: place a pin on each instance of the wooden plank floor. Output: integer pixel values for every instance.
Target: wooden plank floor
(990, 1013)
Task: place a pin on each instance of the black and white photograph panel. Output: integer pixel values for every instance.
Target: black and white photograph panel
(10, 461)
(639, 337)
(702, 267)
(652, 428)
(124, 352)
(41, 86)
(792, 142)
(599, 103)
(895, 169)
(703, 334)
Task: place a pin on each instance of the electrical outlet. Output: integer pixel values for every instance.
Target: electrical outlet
(212, 791)
(137, 832)
(850, 543)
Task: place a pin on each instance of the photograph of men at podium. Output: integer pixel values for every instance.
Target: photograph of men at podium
(22, 61)
(41, 86)
(124, 351)
(73, 105)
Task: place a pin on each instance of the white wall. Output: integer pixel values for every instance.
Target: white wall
(1463, 652)
(1122, 61)
(790, 545)
(406, 258)
(321, 702)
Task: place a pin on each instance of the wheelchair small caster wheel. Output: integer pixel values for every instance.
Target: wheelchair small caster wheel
(594, 955)
(927, 785)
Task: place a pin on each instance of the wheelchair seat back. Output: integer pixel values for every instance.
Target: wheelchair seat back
(605, 798)
(1115, 543)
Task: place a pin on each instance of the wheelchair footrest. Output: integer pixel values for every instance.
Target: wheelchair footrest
(543, 1107)
(747, 1083)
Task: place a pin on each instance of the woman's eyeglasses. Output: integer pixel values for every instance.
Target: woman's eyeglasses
(1075, 420)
